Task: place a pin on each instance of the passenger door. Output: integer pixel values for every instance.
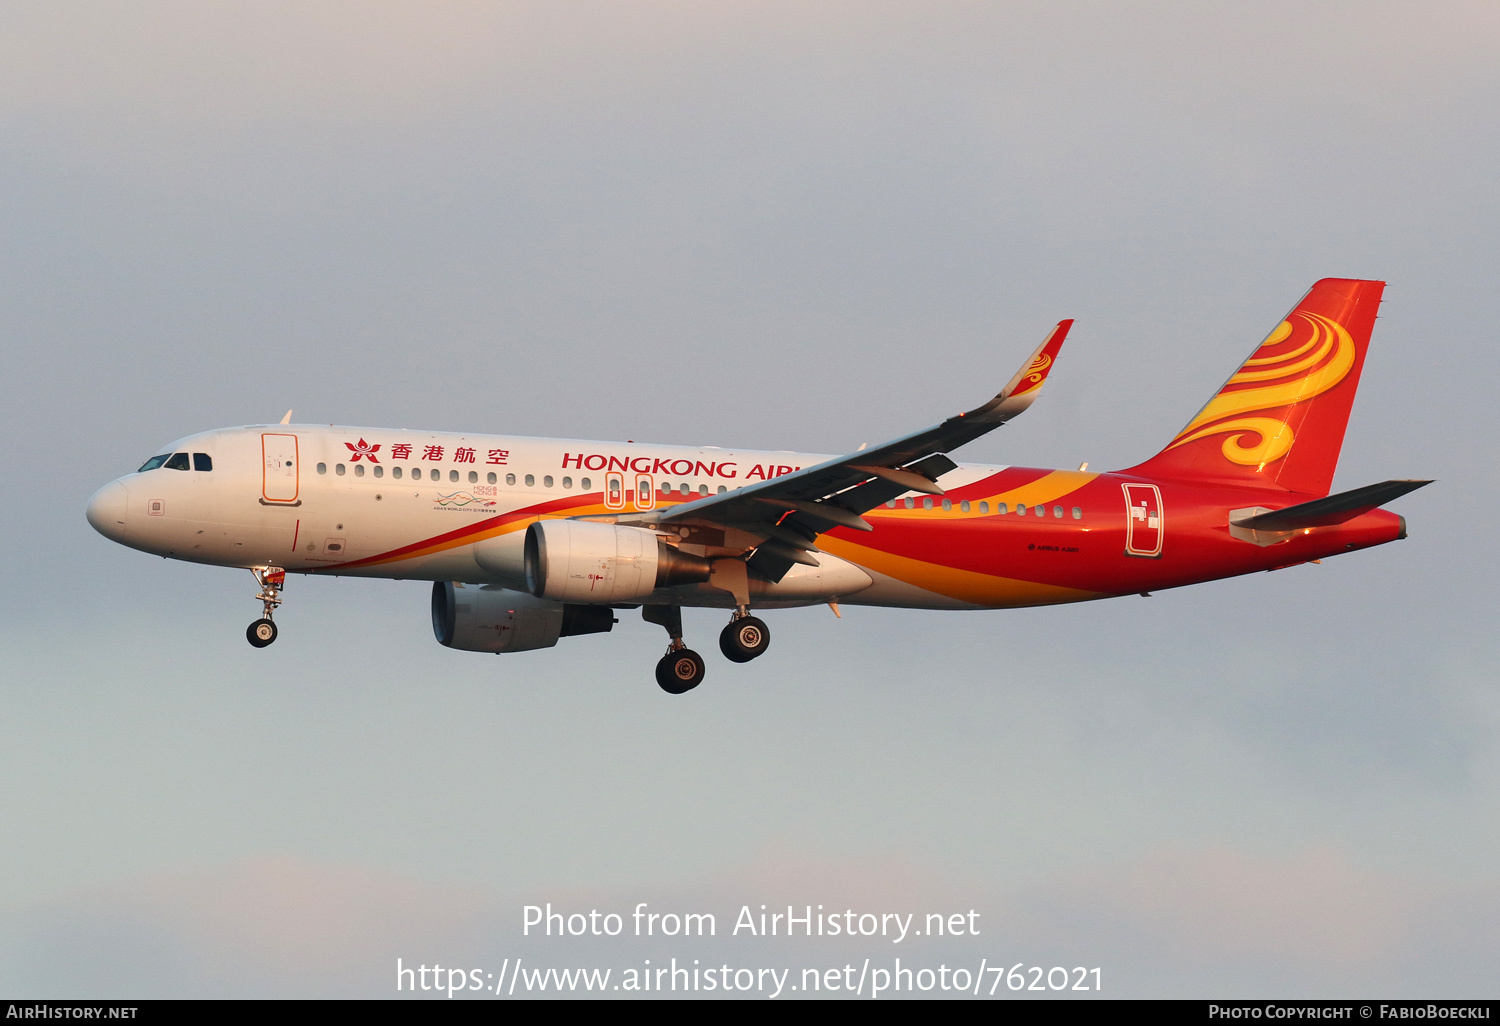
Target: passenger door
(1143, 521)
(280, 470)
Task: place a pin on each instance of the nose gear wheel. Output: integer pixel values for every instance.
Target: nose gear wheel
(271, 580)
(261, 633)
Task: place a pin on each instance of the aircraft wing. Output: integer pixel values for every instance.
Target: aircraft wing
(790, 511)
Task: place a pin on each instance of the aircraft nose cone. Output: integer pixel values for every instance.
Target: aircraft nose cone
(106, 510)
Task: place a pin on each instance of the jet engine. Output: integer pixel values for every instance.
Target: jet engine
(586, 561)
(491, 619)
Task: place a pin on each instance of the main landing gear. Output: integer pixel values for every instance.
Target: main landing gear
(681, 669)
(744, 637)
(271, 580)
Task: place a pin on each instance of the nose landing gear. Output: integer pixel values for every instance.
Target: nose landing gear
(271, 580)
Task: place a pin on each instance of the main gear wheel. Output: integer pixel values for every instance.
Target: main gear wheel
(744, 638)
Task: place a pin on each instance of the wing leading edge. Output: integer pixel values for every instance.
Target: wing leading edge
(787, 513)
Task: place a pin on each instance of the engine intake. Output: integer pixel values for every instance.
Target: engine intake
(585, 561)
(491, 619)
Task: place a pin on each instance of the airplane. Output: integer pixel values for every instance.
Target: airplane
(530, 540)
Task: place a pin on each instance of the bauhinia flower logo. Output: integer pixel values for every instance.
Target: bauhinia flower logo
(363, 449)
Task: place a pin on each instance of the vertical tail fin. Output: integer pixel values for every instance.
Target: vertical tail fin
(1280, 419)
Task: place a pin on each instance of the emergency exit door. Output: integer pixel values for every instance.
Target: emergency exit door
(1143, 520)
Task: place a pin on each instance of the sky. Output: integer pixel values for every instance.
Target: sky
(771, 225)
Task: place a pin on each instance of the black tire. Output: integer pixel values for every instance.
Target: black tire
(744, 639)
(261, 633)
(680, 671)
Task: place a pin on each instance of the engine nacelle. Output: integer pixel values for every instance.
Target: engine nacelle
(491, 619)
(586, 561)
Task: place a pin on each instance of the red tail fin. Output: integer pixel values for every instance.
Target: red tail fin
(1280, 420)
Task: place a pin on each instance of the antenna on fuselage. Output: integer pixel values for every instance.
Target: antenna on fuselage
(288, 418)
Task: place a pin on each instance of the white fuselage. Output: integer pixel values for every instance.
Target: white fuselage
(436, 506)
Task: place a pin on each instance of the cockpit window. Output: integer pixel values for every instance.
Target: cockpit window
(202, 461)
(154, 462)
(177, 461)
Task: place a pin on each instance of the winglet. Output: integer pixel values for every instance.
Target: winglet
(1023, 389)
(288, 418)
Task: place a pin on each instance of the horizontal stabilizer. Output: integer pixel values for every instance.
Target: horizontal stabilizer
(1334, 509)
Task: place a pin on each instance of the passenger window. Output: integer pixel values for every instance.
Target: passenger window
(927, 502)
(379, 470)
(722, 489)
(1057, 512)
(984, 507)
(910, 502)
(684, 488)
(964, 506)
(338, 468)
(453, 476)
(154, 462)
(889, 505)
(567, 482)
(396, 473)
(177, 461)
(547, 481)
(1077, 513)
(703, 489)
(1020, 510)
(473, 477)
(322, 468)
(1002, 508)
(947, 505)
(359, 470)
(584, 484)
(491, 478)
(202, 461)
(510, 479)
(530, 480)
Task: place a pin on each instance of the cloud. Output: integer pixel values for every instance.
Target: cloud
(1202, 920)
(1226, 905)
(199, 64)
(274, 925)
(1178, 922)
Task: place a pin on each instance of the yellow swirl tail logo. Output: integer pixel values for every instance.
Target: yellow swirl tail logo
(1274, 379)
